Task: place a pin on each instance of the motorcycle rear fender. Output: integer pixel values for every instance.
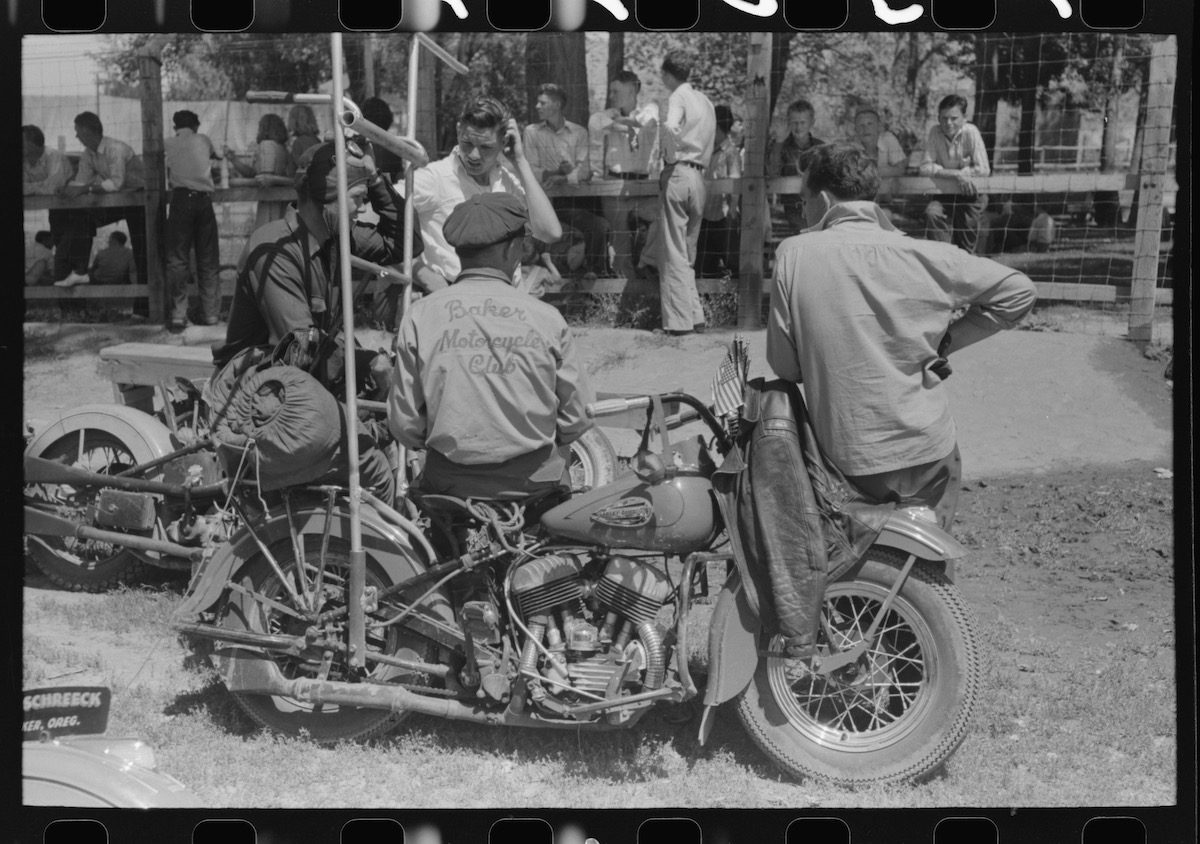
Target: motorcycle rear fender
(732, 645)
(383, 543)
(144, 435)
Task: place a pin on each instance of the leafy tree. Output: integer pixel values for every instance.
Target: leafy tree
(221, 66)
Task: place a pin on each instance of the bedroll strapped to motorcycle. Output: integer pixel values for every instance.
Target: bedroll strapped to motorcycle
(793, 520)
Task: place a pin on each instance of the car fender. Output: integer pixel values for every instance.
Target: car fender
(384, 543)
(87, 772)
(145, 436)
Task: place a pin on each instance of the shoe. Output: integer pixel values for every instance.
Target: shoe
(73, 279)
(699, 327)
(199, 318)
(176, 326)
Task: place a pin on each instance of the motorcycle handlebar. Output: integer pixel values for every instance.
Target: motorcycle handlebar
(608, 407)
(695, 409)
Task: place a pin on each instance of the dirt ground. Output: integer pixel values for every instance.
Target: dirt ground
(1067, 506)
(1024, 401)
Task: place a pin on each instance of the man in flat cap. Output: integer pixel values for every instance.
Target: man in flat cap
(191, 222)
(487, 380)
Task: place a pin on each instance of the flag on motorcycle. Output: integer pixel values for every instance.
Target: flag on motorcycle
(729, 383)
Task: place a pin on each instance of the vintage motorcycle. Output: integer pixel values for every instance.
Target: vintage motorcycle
(574, 615)
(112, 490)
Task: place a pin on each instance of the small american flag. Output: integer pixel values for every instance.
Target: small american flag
(729, 383)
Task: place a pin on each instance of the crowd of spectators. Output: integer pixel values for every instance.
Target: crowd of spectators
(672, 235)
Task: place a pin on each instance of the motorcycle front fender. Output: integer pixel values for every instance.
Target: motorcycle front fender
(732, 645)
(383, 543)
(923, 539)
(145, 437)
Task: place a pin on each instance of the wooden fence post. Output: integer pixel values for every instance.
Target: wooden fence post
(1156, 140)
(755, 221)
(153, 145)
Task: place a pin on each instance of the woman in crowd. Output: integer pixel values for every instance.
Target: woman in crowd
(271, 165)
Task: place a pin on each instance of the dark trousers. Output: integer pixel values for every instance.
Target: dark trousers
(579, 214)
(192, 224)
(960, 224)
(934, 484)
(73, 231)
(717, 248)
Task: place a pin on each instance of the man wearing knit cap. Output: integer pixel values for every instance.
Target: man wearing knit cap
(287, 273)
(487, 380)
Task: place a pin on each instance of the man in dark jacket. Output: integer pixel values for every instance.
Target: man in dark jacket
(287, 278)
(287, 272)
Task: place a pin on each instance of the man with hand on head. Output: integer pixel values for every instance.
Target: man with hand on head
(487, 379)
(489, 158)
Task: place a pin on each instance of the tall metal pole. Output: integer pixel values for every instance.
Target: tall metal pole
(410, 132)
(358, 557)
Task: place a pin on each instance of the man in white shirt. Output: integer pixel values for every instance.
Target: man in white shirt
(106, 166)
(191, 222)
(624, 141)
(558, 152)
(489, 157)
(955, 148)
(687, 146)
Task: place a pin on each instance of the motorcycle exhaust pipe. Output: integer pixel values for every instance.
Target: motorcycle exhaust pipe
(260, 676)
(41, 523)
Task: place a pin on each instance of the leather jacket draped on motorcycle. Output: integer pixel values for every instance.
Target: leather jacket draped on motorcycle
(793, 520)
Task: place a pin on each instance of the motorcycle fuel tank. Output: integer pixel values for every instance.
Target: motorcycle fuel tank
(675, 516)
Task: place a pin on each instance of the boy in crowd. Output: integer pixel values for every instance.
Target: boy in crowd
(783, 159)
(955, 148)
(113, 264)
(559, 153)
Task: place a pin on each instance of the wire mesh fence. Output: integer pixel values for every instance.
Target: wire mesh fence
(1078, 129)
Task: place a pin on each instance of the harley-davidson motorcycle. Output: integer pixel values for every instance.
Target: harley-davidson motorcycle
(573, 614)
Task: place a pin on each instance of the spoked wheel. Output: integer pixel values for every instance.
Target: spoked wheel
(593, 461)
(323, 588)
(899, 711)
(84, 565)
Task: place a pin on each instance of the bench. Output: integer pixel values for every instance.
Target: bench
(138, 369)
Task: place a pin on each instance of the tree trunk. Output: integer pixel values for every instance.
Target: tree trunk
(1025, 80)
(987, 92)
(560, 58)
(616, 58)
(781, 51)
(1108, 146)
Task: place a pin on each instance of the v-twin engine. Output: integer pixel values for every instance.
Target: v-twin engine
(590, 636)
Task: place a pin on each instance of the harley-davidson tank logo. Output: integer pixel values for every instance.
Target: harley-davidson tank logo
(625, 513)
